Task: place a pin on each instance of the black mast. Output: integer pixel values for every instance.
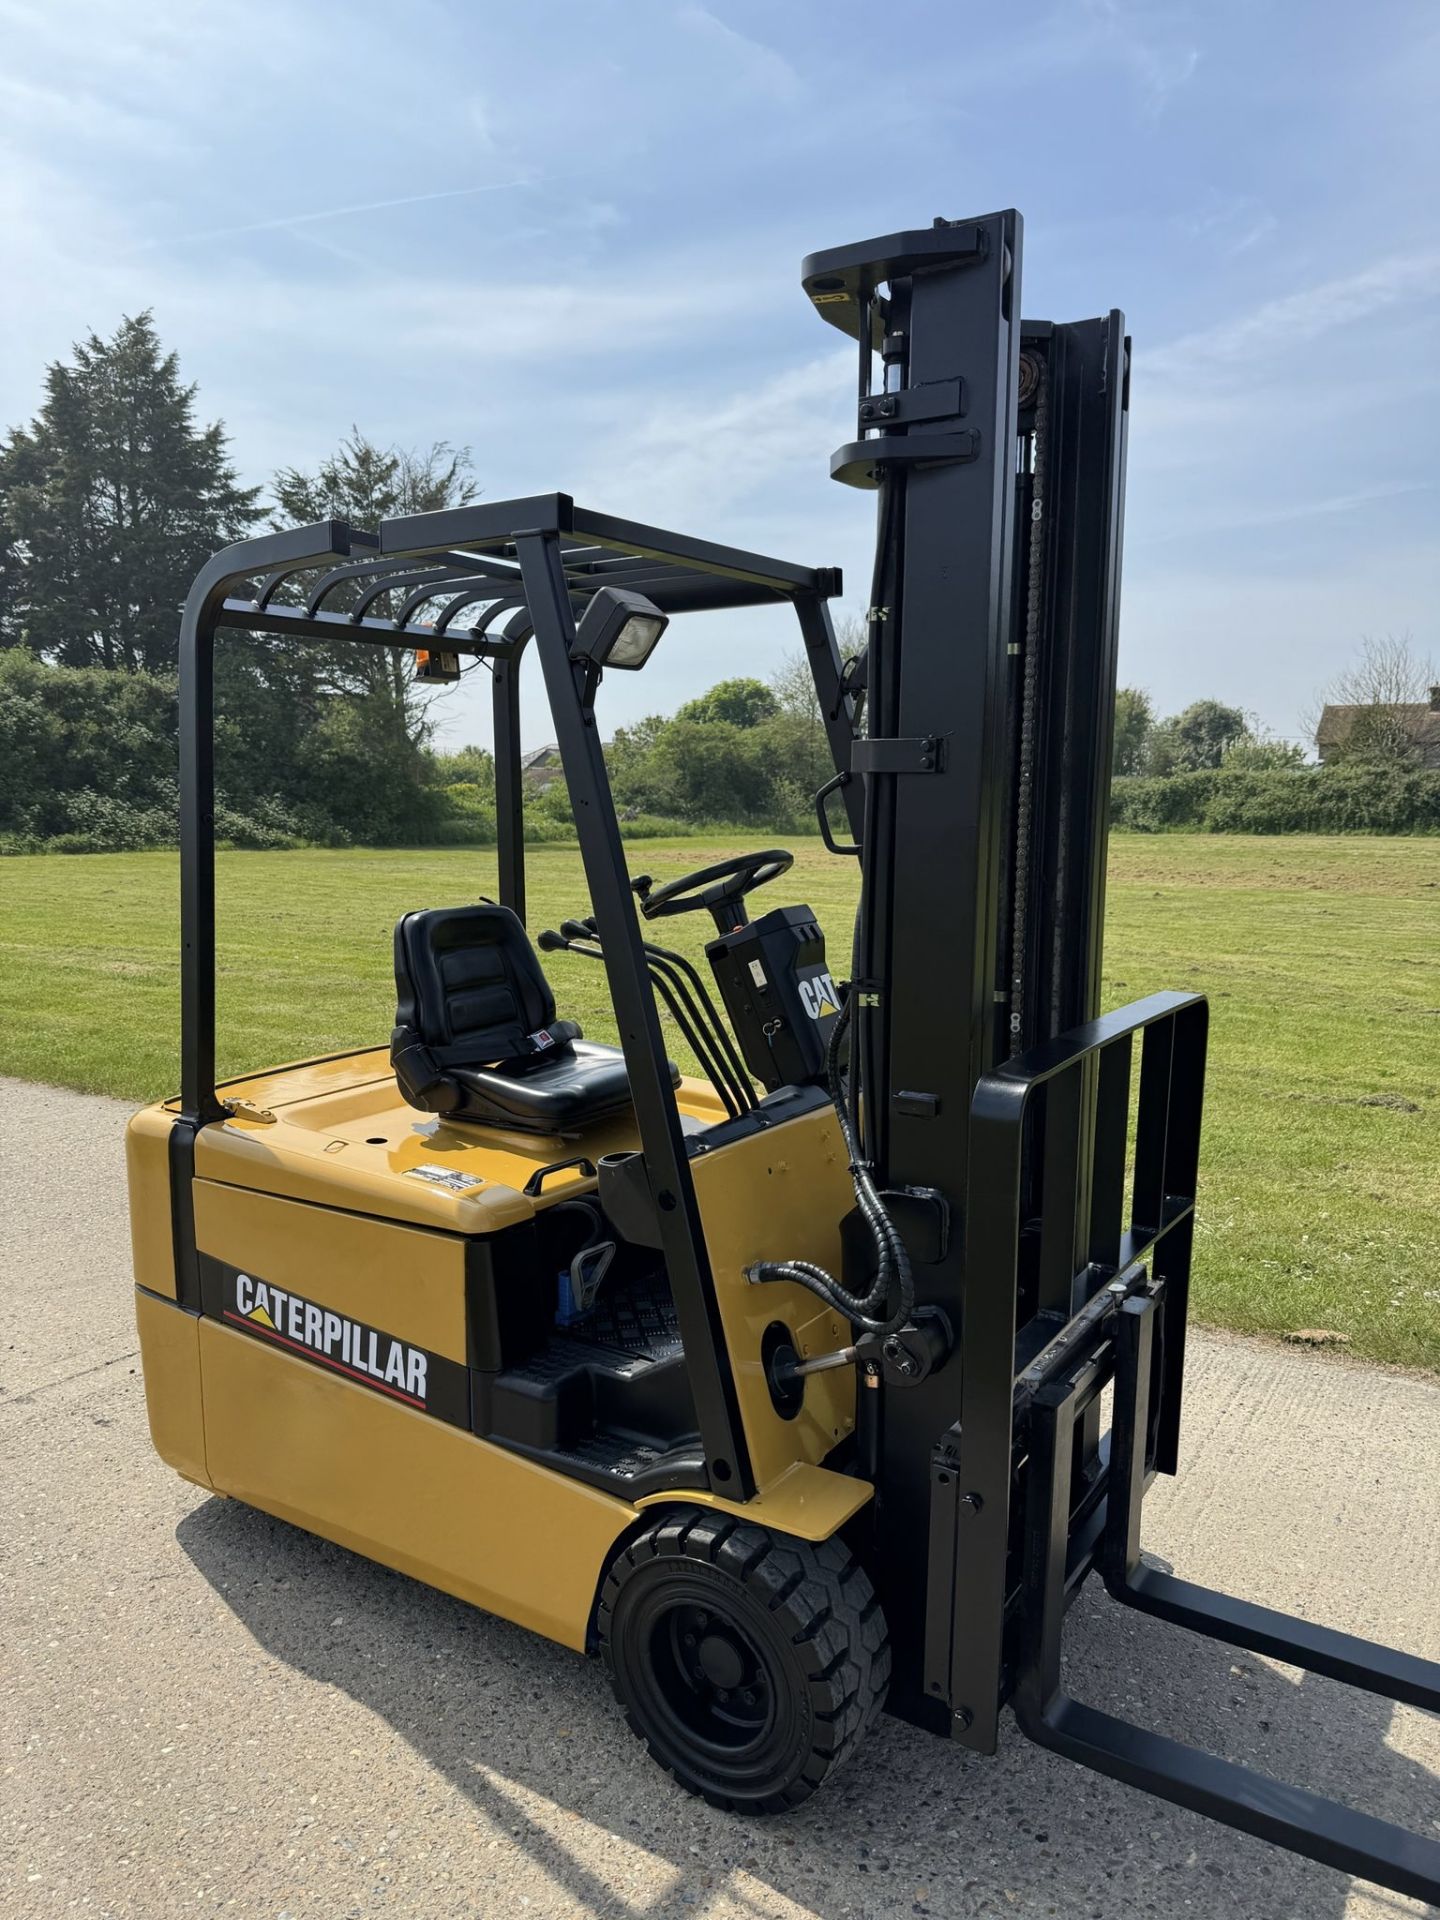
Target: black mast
(990, 682)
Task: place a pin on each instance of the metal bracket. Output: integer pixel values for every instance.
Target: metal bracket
(860, 463)
(841, 279)
(921, 754)
(931, 400)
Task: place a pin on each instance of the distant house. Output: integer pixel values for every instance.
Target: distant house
(540, 768)
(1418, 722)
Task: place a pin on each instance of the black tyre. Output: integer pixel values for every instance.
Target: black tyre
(749, 1663)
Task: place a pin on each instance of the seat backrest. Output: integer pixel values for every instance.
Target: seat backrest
(469, 987)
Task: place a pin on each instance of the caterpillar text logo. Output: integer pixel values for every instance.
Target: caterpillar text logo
(819, 996)
(346, 1346)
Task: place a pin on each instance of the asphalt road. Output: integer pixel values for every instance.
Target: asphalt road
(202, 1709)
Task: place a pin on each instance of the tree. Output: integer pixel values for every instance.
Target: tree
(1259, 751)
(793, 683)
(735, 703)
(338, 729)
(709, 770)
(1196, 738)
(1134, 723)
(793, 686)
(1388, 678)
(111, 500)
(364, 484)
(9, 573)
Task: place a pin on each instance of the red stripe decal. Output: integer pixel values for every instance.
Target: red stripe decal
(336, 1366)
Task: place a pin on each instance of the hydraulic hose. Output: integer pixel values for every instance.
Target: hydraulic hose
(892, 1262)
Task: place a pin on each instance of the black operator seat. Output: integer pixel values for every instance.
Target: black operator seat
(476, 1036)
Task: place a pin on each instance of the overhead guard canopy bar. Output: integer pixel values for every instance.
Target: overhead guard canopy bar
(439, 564)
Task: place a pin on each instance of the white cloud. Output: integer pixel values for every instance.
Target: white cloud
(1296, 319)
(1256, 516)
(90, 119)
(686, 460)
(1233, 222)
(759, 66)
(1159, 58)
(1152, 50)
(287, 222)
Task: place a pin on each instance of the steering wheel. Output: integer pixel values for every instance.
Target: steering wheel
(720, 888)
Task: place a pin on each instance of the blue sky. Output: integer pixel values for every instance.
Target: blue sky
(569, 235)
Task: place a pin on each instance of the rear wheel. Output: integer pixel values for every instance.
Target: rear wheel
(749, 1663)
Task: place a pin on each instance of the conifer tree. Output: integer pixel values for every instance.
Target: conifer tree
(111, 500)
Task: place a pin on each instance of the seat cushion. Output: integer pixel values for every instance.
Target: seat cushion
(585, 1082)
(469, 985)
(476, 1037)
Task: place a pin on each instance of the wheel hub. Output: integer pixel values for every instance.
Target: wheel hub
(712, 1676)
(721, 1661)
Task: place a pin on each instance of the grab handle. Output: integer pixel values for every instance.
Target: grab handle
(534, 1186)
(833, 845)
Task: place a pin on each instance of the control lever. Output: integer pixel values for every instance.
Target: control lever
(735, 1092)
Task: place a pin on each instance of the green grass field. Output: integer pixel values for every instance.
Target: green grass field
(1320, 1202)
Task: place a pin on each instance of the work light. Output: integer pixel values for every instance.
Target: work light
(618, 629)
(430, 665)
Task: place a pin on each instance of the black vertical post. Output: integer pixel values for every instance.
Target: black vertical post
(1172, 1258)
(199, 1103)
(509, 775)
(1047, 1527)
(1129, 1428)
(197, 864)
(682, 1233)
(198, 1100)
(944, 834)
(1087, 366)
(938, 662)
(302, 546)
(1108, 1217)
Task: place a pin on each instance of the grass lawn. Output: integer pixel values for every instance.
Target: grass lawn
(1320, 1202)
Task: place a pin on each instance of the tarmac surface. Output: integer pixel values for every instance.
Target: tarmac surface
(204, 1710)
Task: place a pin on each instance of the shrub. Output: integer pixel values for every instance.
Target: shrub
(1348, 798)
(72, 735)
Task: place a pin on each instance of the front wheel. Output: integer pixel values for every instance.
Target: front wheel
(749, 1663)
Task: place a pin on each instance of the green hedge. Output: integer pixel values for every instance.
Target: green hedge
(1336, 799)
(88, 763)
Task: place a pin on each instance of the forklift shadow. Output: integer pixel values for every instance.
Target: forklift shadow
(522, 1728)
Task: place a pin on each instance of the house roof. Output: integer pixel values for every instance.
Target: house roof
(540, 756)
(1421, 722)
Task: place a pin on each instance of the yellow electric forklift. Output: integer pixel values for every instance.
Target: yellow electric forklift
(780, 1387)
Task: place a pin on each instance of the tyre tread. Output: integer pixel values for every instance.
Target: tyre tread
(819, 1595)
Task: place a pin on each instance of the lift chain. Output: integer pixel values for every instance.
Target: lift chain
(1030, 673)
